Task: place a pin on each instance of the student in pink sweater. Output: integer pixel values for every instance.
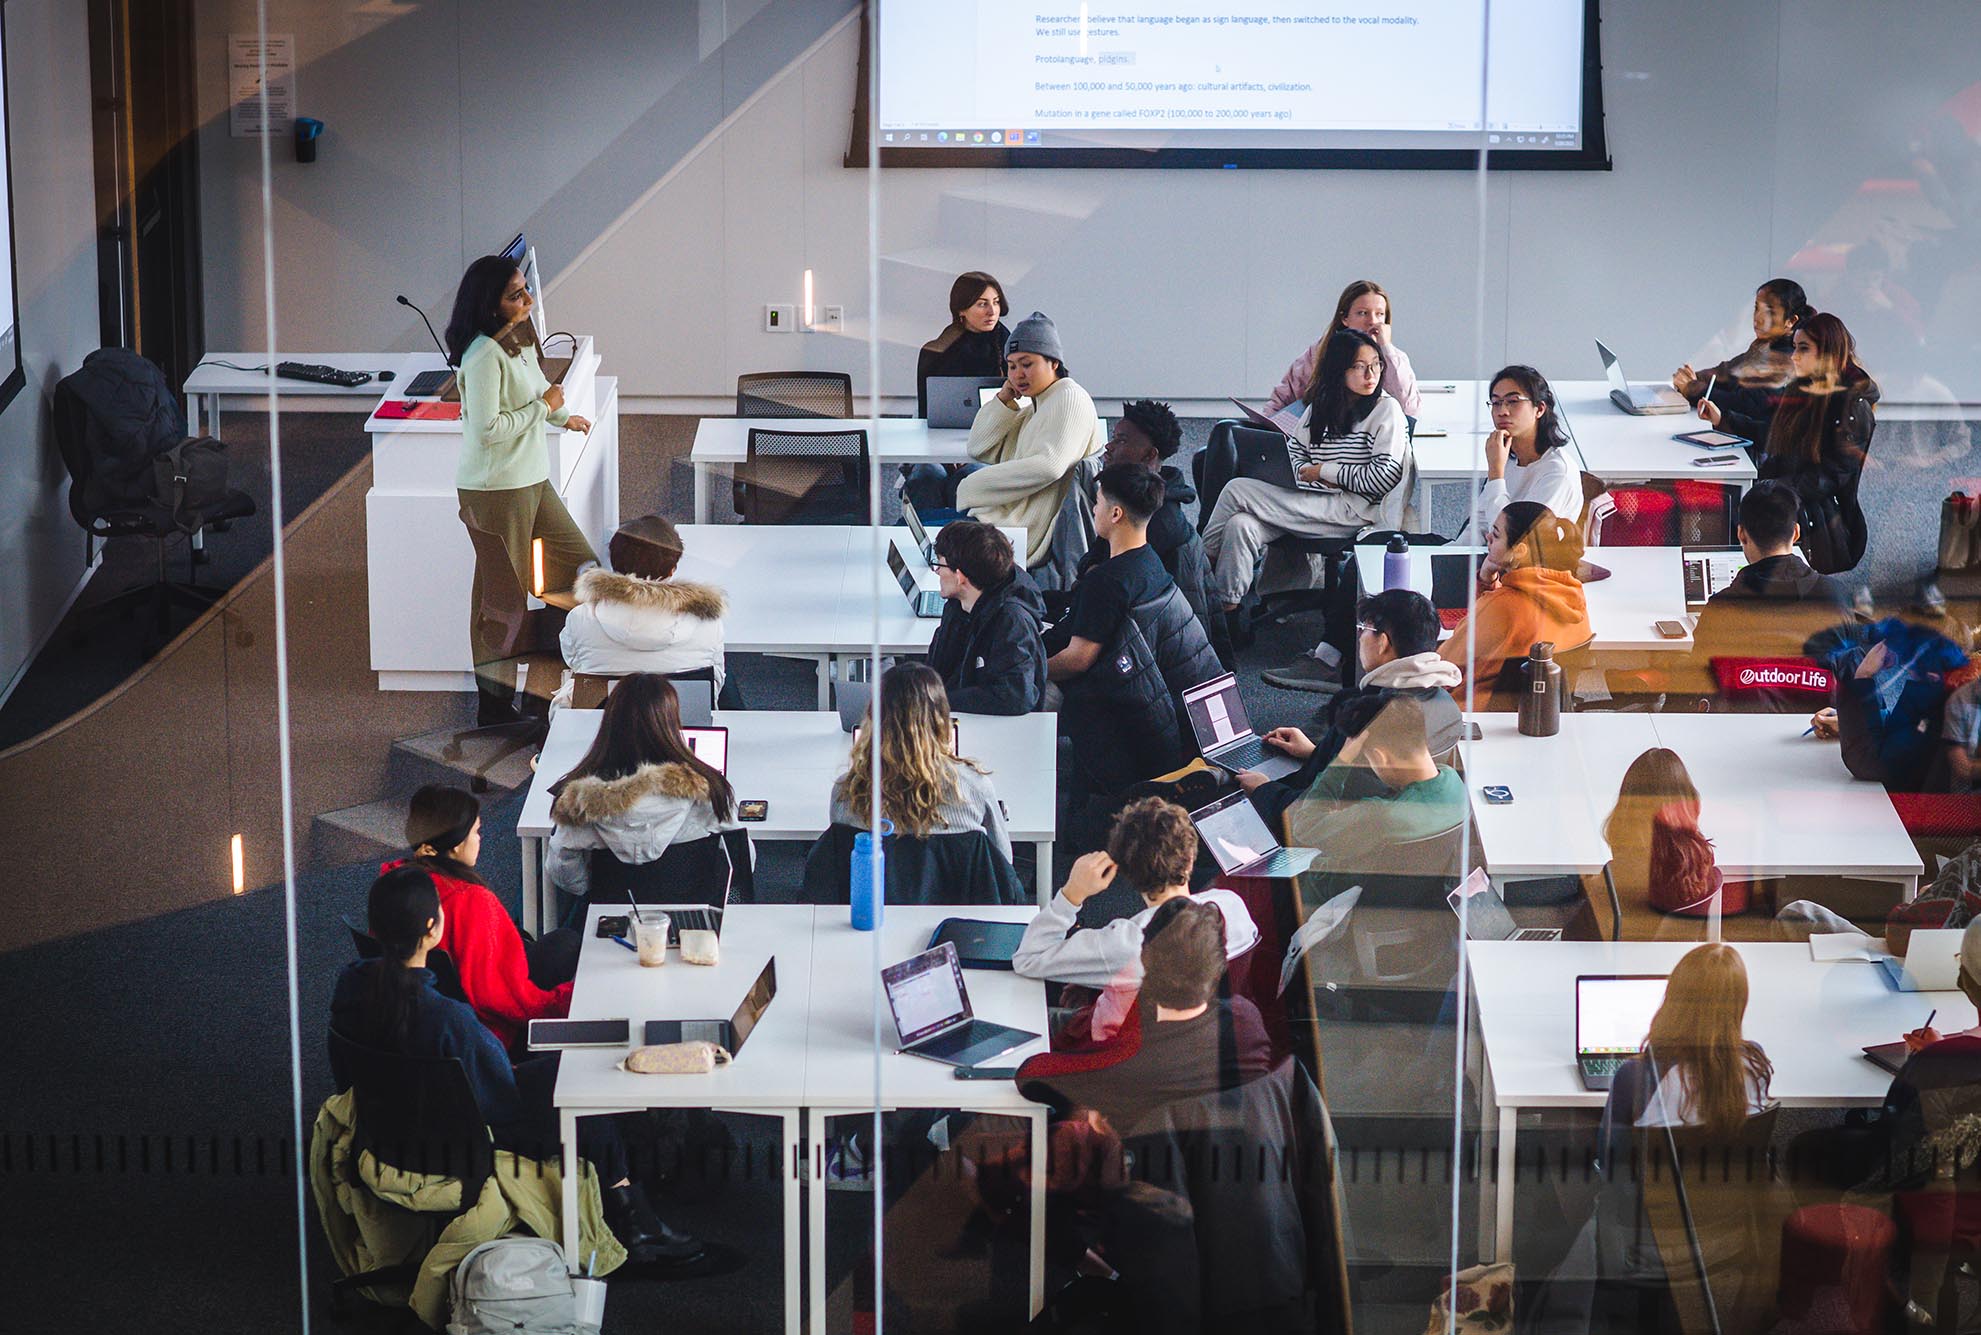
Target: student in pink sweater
(1363, 307)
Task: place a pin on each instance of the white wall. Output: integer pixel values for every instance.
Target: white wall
(54, 192)
(1743, 147)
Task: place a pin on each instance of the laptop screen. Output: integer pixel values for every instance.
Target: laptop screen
(1613, 369)
(1709, 570)
(1451, 581)
(1234, 832)
(1483, 911)
(926, 993)
(1216, 713)
(902, 576)
(755, 1002)
(916, 532)
(1613, 1013)
(710, 745)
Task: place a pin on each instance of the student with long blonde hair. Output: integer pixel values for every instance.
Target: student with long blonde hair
(925, 787)
(1696, 1068)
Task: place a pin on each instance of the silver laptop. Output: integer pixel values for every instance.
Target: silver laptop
(1224, 734)
(1931, 963)
(932, 1012)
(1236, 834)
(730, 1034)
(918, 532)
(927, 603)
(696, 917)
(1613, 1015)
(954, 399)
(1485, 914)
(1709, 570)
(1638, 400)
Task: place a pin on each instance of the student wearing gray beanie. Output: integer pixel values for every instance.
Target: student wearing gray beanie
(1029, 453)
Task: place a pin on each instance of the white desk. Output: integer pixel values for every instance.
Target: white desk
(824, 1048)
(1774, 802)
(725, 442)
(1813, 1019)
(1646, 586)
(819, 592)
(1618, 447)
(209, 383)
(790, 759)
(417, 553)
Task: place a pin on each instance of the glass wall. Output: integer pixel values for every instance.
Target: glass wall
(1396, 585)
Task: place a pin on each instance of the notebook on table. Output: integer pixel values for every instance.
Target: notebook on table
(980, 944)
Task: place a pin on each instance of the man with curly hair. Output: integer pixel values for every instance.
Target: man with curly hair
(1152, 846)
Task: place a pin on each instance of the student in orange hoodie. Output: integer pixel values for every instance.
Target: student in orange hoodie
(1528, 592)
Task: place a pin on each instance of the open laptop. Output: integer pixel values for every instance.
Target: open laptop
(1485, 914)
(932, 1012)
(1451, 587)
(1224, 734)
(696, 917)
(1266, 459)
(1612, 1017)
(918, 532)
(926, 603)
(954, 399)
(1638, 400)
(1709, 570)
(729, 1034)
(1236, 834)
(710, 745)
(1931, 963)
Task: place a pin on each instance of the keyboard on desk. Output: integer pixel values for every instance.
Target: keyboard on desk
(1598, 1072)
(322, 375)
(691, 920)
(1244, 755)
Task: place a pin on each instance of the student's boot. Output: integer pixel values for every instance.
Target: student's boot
(648, 1240)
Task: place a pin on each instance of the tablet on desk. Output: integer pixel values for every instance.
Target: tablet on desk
(1711, 440)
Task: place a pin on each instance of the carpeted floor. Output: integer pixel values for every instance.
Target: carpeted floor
(149, 1098)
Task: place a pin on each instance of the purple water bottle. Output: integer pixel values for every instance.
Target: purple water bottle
(1396, 563)
(869, 877)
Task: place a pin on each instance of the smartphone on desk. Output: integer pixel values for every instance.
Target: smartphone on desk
(1716, 461)
(1496, 794)
(1671, 630)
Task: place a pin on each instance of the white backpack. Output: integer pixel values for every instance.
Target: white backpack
(515, 1286)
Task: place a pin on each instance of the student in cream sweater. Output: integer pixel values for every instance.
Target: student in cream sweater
(1030, 453)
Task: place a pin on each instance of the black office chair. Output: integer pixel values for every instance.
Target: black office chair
(446, 974)
(695, 871)
(794, 394)
(804, 477)
(419, 1115)
(964, 867)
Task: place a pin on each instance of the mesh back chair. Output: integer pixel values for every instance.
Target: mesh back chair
(446, 976)
(695, 871)
(804, 477)
(962, 867)
(794, 394)
(419, 1115)
(1596, 508)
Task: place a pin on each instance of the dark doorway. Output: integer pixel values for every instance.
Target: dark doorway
(147, 179)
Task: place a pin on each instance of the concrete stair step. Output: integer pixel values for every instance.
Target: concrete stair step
(368, 832)
(492, 761)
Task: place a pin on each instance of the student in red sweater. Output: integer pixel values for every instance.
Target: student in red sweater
(509, 980)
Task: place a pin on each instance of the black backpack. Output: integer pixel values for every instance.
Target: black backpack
(188, 480)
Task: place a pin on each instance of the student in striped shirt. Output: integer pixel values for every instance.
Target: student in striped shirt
(1351, 450)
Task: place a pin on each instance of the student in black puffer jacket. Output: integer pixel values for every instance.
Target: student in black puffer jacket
(988, 648)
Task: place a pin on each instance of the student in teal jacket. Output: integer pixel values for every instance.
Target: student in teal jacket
(504, 477)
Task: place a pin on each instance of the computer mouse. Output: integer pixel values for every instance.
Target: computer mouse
(385, 375)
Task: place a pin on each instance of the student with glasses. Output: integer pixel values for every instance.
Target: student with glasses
(1525, 455)
(990, 648)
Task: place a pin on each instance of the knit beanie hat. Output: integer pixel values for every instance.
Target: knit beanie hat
(1036, 333)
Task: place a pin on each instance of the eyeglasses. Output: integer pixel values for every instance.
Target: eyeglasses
(1364, 628)
(1509, 401)
(940, 565)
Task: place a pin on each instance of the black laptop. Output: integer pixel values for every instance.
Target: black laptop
(729, 1034)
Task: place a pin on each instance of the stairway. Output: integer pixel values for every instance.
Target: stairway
(492, 762)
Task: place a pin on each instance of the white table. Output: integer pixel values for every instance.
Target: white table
(1813, 1019)
(1619, 447)
(725, 442)
(819, 592)
(1646, 586)
(1774, 802)
(790, 759)
(823, 1049)
(209, 382)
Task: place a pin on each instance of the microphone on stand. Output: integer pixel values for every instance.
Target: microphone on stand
(429, 382)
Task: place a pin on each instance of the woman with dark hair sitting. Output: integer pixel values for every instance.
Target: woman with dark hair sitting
(392, 1004)
(1530, 593)
(639, 790)
(972, 343)
(508, 979)
(1526, 458)
(1762, 368)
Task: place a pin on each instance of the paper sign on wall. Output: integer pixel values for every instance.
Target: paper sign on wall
(247, 57)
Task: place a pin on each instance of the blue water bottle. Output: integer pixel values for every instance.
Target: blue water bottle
(869, 877)
(1396, 563)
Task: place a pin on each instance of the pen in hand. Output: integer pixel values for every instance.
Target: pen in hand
(1930, 1016)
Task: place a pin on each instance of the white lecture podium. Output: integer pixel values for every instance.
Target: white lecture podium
(417, 553)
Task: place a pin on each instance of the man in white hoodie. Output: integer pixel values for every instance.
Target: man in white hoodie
(636, 617)
(1153, 847)
(1396, 642)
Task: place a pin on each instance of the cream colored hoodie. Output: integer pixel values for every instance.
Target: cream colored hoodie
(1031, 453)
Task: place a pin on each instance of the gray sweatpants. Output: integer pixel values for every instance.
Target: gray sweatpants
(1251, 513)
